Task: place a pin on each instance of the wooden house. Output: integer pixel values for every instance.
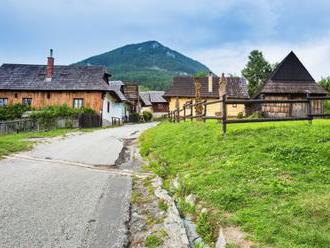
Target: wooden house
(154, 102)
(212, 88)
(46, 85)
(290, 80)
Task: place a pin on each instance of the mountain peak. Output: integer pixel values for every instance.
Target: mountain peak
(148, 63)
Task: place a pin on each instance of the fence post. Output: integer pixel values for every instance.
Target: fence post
(191, 110)
(224, 115)
(184, 112)
(205, 110)
(309, 109)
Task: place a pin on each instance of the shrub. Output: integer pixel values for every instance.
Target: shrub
(147, 116)
(134, 117)
(240, 115)
(256, 115)
(11, 112)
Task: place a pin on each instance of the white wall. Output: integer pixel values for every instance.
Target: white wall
(117, 109)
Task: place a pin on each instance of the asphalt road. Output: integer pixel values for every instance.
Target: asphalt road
(45, 202)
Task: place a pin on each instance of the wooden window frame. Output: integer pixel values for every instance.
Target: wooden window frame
(27, 101)
(3, 101)
(78, 105)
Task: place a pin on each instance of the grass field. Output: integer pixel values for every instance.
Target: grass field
(270, 179)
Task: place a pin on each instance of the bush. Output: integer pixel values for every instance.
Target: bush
(134, 117)
(240, 115)
(11, 112)
(256, 115)
(52, 112)
(147, 116)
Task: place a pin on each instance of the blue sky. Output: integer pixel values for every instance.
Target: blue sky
(219, 33)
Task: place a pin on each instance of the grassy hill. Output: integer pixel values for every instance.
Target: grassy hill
(150, 64)
(272, 180)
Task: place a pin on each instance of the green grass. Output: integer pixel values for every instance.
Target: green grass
(152, 241)
(271, 179)
(12, 143)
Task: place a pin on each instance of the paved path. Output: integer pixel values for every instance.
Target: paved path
(45, 202)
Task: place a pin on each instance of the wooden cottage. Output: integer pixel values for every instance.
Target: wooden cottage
(154, 102)
(46, 85)
(290, 80)
(212, 88)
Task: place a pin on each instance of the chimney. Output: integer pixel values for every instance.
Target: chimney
(210, 80)
(50, 67)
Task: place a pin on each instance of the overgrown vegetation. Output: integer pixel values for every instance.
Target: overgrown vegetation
(147, 116)
(52, 112)
(152, 241)
(271, 179)
(13, 111)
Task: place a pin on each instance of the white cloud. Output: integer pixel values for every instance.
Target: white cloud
(233, 57)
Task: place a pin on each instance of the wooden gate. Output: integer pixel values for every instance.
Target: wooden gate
(90, 120)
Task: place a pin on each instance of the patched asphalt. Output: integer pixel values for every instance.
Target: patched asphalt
(50, 204)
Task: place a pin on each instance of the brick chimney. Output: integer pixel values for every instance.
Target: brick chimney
(210, 82)
(50, 67)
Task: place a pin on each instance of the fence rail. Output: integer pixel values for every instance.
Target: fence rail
(188, 110)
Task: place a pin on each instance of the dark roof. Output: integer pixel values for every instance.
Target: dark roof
(72, 77)
(291, 77)
(116, 87)
(184, 87)
(150, 97)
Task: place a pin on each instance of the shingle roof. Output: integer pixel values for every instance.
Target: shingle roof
(32, 77)
(291, 77)
(150, 97)
(116, 86)
(184, 87)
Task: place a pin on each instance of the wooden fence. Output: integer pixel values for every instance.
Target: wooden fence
(188, 111)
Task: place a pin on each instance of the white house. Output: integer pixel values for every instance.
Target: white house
(115, 106)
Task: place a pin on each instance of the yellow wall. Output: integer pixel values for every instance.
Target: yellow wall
(212, 110)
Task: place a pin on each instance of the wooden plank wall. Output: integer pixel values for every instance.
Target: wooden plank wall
(40, 98)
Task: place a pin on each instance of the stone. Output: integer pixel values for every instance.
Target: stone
(191, 199)
(221, 241)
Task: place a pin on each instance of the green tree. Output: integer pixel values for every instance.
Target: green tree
(256, 71)
(325, 83)
(201, 74)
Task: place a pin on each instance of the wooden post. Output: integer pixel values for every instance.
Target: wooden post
(205, 110)
(191, 111)
(224, 115)
(184, 112)
(309, 109)
(178, 116)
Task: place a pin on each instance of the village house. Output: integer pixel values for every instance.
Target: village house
(212, 88)
(75, 86)
(290, 80)
(154, 102)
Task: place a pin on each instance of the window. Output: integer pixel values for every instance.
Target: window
(48, 95)
(16, 95)
(234, 105)
(3, 101)
(27, 101)
(78, 102)
(108, 107)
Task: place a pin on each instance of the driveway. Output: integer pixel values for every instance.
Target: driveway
(56, 195)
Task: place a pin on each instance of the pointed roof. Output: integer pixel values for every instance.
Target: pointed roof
(291, 69)
(291, 77)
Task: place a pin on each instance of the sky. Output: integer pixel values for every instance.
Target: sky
(218, 33)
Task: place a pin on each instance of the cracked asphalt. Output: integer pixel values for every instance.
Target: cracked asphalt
(51, 204)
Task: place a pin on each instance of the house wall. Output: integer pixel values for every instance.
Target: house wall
(116, 109)
(212, 110)
(40, 99)
(281, 110)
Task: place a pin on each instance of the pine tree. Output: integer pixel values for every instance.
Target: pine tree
(256, 71)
